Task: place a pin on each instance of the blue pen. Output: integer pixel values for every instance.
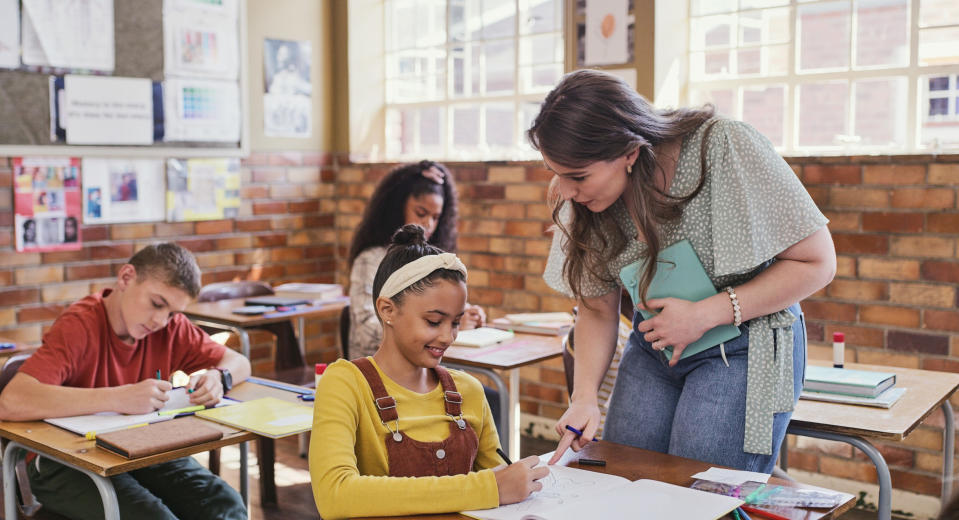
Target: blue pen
(577, 432)
(742, 514)
(305, 397)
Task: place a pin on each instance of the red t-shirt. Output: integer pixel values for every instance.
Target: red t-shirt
(81, 350)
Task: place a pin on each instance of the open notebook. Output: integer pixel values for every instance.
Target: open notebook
(109, 421)
(577, 494)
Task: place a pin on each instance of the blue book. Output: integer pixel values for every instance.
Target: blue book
(679, 274)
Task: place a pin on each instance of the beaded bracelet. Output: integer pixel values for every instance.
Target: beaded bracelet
(737, 314)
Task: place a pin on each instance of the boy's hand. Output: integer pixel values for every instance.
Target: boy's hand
(146, 396)
(207, 388)
(516, 481)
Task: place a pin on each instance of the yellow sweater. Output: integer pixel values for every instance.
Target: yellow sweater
(348, 461)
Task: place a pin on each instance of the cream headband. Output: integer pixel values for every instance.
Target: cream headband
(417, 270)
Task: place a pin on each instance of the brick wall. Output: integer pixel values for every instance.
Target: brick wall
(895, 221)
(284, 233)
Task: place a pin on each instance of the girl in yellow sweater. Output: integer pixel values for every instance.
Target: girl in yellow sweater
(397, 434)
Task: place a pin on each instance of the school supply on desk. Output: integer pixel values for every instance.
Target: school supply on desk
(770, 495)
(481, 337)
(577, 494)
(549, 323)
(679, 274)
(276, 301)
(158, 437)
(103, 422)
(278, 385)
(883, 400)
(7, 346)
(311, 291)
(252, 310)
(845, 381)
(267, 416)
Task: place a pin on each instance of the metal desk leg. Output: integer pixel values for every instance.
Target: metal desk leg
(301, 337)
(882, 469)
(111, 507)
(244, 476)
(506, 398)
(948, 451)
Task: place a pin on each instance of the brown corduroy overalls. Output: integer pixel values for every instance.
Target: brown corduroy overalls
(412, 458)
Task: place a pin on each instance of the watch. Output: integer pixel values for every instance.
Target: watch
(226, 379)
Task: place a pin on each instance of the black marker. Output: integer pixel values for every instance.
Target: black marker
(503, 454)
(591, 462)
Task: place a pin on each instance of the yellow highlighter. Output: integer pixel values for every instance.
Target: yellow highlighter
(183, 410)
(92, 436)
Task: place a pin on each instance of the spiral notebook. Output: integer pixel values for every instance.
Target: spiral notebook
(679, 274)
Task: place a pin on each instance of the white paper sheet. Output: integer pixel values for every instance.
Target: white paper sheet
(107, 110)
(72, 34)
(200, 39)
(201, 110)
(9, 34)
(606, 24)
(123, 190)
(731, 476)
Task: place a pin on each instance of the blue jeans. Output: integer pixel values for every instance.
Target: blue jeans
(696, 409)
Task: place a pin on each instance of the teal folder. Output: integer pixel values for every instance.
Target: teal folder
(679, 274)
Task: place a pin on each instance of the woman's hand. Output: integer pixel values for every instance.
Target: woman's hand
(473, 317)
(677, 324)
(434, 174)
(516, 481)
(582, 415)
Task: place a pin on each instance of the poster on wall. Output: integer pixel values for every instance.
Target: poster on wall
(201, 110)
(200, 39)
(46, 203)
(123, 190)
(287, 104)
(202, 189)
(606, 22)
(69, 34)
(9, 34)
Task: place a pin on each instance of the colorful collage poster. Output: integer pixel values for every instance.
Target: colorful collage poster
(123, 190)
(46, 203)
(200, 39)
(202, 189)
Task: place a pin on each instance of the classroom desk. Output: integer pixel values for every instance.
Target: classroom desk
(635, 463)
(219, 314)
(20, 348)
(926, 390)
(508, 356)
(76, 452)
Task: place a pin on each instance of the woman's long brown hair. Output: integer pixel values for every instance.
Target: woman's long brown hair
(594, 116)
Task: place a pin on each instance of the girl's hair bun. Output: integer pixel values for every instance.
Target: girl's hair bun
(409, 235)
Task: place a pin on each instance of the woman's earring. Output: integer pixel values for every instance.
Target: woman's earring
(388, 322)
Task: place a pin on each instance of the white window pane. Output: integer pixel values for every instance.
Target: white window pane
(400, 131)
(541, 16)
(430, 23)
(528, 112)
(938, 12)
(823, 31)
(500, 68)
(465, 126)
(711, 31)
(431, 128)
(724, 100)
(775, 60)
(822, 113)
(765, 26)
(402, 16)
(882, 33)
(939, 46)
(546, 48)
(749, 4)
(765, 108)
(717, 62)
(465, 70)
(880, 117)
(748, 61)
(700, 7)
(499, 18)
(500, 125)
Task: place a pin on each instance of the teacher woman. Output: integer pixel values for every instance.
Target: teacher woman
(631, 180)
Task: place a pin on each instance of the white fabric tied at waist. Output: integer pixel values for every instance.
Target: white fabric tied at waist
(769, 378)
(418, 269)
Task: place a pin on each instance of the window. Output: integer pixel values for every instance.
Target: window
(831, 76)
(464, 78)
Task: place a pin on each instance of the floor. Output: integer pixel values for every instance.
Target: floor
(293, 480)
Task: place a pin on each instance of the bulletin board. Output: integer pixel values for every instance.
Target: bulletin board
(25, 104)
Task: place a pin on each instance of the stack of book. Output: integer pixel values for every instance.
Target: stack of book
(313, 292)
(844, 385)
(549, 323)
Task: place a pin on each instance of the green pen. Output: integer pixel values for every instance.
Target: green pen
(159, 376)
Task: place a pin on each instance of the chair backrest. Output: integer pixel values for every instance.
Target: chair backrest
(242, 289)
(568, 360)
(345, 331)
(10, 368)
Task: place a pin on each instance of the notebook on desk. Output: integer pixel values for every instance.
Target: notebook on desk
(577, 494)
(158, 437)
(275, 301)
(679, 274)
(267, 416)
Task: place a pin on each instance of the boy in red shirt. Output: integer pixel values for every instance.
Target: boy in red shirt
(102, 354)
